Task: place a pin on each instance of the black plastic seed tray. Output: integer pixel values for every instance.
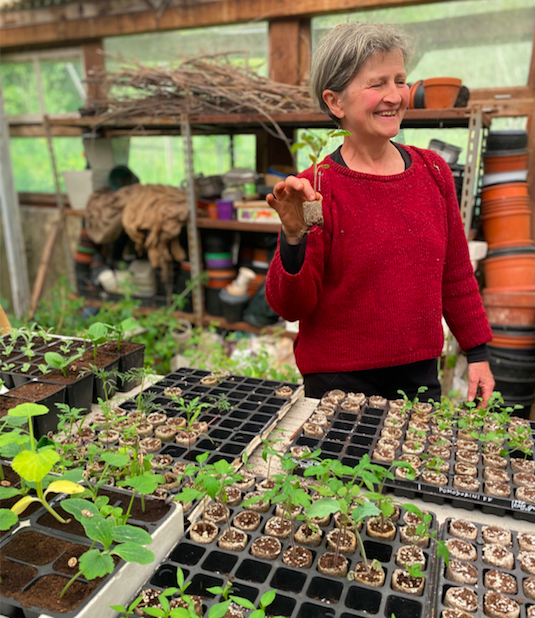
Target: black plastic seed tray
(8, 604)
(255, 410)
(458, 497)
(443, 583)
(301, 593)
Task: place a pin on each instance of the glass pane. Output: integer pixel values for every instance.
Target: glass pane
(19, 88)
(31, 163)
(62, 85)
(245, 151)
(162, 47)
(486, 43)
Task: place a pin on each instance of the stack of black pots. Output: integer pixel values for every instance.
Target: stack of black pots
(218, 262)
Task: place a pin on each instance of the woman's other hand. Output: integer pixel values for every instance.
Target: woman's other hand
(480, 376)
(288, 202)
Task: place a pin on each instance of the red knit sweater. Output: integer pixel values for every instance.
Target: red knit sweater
(389, 261)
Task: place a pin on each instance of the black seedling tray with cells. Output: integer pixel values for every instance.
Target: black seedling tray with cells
(9, 604)
(443, 584)
(300, 593)
(255, 410)
(347, 438)
(459, 498)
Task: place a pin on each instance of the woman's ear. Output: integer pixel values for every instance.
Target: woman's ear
(334, 102)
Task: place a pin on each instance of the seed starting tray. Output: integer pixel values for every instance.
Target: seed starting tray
(254, 414)
(349, 441)
(301, 593)
(443, 584)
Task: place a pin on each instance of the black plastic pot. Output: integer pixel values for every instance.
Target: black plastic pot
(512, 353)
(513, 369)
(78, 394)
(212, 302)
(232, 306)
(129, 361)
(511, 139)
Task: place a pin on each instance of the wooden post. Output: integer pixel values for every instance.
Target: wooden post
(531, 141)
(94, 62)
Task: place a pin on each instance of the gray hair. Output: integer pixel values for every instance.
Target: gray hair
(342, 52)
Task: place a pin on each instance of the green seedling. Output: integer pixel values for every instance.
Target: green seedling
(422, 532)
(125, 326)
(127, 611)
(98, 334)
(56, 361)
(145, 484)
(33, 463)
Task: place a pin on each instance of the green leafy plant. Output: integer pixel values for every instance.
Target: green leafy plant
(98, 334)
(56, 361)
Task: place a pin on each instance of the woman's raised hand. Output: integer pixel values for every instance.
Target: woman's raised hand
(288, 202)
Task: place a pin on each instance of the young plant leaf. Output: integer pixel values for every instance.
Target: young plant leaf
(93, 564)
(7, 519)
(132, 552)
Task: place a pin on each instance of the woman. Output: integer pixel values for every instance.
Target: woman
(371, 285)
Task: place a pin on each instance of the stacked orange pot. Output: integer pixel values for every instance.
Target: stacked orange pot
(509, 295)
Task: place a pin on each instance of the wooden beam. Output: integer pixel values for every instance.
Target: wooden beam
(38, 130)
(95, 20)
(94, 61)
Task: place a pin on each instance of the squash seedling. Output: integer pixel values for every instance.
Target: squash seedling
(56, 361)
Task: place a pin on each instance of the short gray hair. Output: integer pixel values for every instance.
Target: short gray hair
(342, 52)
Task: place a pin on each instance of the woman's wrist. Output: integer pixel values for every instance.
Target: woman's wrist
(294, 237)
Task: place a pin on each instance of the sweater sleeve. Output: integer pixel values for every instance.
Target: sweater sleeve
(295, 296)
(461, 302)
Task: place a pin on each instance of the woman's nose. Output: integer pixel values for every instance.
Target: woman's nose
(393, 93)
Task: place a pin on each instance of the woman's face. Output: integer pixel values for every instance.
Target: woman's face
(373, 104)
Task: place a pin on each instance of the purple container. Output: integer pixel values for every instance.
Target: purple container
(225, 209)
(223, 263)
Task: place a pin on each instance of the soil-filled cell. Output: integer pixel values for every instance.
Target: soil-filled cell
(309, 610)
(332, 447)
(378, 551)
(364, 599)
(200, 584)
(288, 580)
(220, 563)
(325, 590)
(282, 606)
(165, 576)
(187, 554)
(253, 571)
(403, 608)
(361, 440)
(240, 414)
(231, 449)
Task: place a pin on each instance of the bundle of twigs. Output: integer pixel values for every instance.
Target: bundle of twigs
(201, 85)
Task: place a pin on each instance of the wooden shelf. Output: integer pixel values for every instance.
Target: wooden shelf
(414, 118)
(238, 226)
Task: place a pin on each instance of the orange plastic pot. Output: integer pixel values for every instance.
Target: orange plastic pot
(498, 210)
(514, 307)
(510, 189)
(441, 92)
(510, 271)
(220, 278)
(505, 203)
(505, 163)
(412, 93)
(510, 244)
(506, 226)
(512, 341)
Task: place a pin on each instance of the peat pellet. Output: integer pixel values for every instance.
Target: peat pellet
(383, 454)
(500, 582)
(391, 432)
(526, 540)
(497, 555)
(436, 440)
(176, 422)
(463, 550)
(403, 582)
(466, 483)
(384, 531)
(186, 438)
(284, 392)
(434, 478)
(336, 394)
(396, 404)
(108, 437)
(526, 494)
(247, 520)
(348, 542)
(144, 430)
(157, 418)
(495, 475)
(327, 566)
(495, 461)
(455, 613)
(439, 451)
(408, 555)
(172, 391)
(388, 443)
(312, 431)
(370, 576)
(150, 445)
(203, 532)
(529, 588)
(376, 401)
(496, 605)
(279, 527)
(160, 462)
(527, 562)
(413, 447)
(233, 496)
(501, 490)
(298, 557)
(524, 479)
(248, 480)
(165, 433)
(461, 598)
(308, 535)
(412, 460)
(462, 529)
(266, 547)
(522, 465)
(468, 457)
(319, 419)
(233, 540)
(408, 535)
(216, 513)
(461, 572)
(496, 535)
(467, 445)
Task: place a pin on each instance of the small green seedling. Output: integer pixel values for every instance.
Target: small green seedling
(56, 361)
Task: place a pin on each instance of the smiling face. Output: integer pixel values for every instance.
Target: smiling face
(373, 104)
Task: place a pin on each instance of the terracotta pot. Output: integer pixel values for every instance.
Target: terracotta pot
(505, 203)
(441, 92)
(510, 271)
(514, 225)
(510, 244)
(510, 306)
(503, 340)
(412, 93)
(511, 189)
(508, 161)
